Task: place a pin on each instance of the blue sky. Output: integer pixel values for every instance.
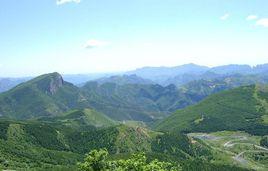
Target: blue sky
(86, 36)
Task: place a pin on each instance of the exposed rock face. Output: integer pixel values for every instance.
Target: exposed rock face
(55, 83)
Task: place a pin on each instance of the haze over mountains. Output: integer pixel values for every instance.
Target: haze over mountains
(8, 83)
(49, 95)
(161, 75)
(151, 110)
(128, 97)
(133, 85)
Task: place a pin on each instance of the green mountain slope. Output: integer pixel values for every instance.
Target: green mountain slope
(134, 101)
(34, 144)
(46, 95)
(82, 118)
(199, 89)
(237, 109)
(8, 83)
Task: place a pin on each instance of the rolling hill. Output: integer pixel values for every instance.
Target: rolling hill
(243, 108)
(82, 118)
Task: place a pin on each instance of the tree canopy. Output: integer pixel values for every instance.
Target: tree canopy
(97, 160)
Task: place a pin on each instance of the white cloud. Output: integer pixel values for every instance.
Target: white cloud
(225, 16)
(262, 22)
(61, 2)
(95, 43)
(252, 17)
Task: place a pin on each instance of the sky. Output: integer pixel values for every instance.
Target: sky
(94, 36)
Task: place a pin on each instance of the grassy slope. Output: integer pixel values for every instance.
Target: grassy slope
(236, 109)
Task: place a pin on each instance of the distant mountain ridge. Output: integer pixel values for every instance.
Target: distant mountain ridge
(183, 74)
(49, 95)
(8, 83)
(154, 73)
(124, 79)
(164, 76)
(118, 97)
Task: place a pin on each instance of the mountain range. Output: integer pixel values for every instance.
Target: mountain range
(47, 123)
(127, 97)
(8, 83)
(49, 95)
(164, 76)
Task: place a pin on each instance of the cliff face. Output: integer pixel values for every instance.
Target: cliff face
(55, 83)
(45, 95)
(48, 83)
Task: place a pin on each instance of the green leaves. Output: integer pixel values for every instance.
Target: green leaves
(97, 161)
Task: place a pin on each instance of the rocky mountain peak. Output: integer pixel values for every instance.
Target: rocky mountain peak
(56, 82)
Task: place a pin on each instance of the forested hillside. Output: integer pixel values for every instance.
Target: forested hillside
(34, 144)
(243, 108)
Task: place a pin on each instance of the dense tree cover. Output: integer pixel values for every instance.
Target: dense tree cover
(23, 143)
(81, 142)
(61, 141)
(81, 119)
(14, 155)
(57, 136)
(98, 161)
(264, 141)
(3, 130)
(34, 144)
(236, 109)
(39, 145)
(172, 144)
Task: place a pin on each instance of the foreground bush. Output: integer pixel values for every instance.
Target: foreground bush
(97, 161)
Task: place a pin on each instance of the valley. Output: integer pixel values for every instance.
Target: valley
(214, 122)
(133, 85)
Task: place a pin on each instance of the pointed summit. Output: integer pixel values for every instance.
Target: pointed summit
(48, 83)
(45, 95)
